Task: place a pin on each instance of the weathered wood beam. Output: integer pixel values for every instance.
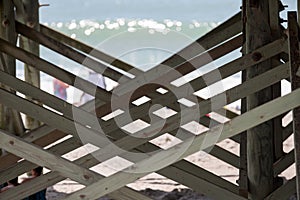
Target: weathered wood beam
(285, 161)
(27, 11)
(54, 71)
(293, 29)
(44, 158)
(41, 136)
(53, 119)
(260, 139)
(276, 32)
(52, 101)
(284, 192)
(69, 52)
(91, 51)
(9, 118)
(159, 160)
(205, 187)
(25, 166)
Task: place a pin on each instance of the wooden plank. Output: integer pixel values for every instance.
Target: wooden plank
(25, 166)
(54, 71)
(54, 102)
(69, 52)
(41, 136)
(293, 29)
(42, 140)
(30, 16)
(225, 31)
(276, 88)
(161, 159)
(86, 49)
(41, 157)
(284, 192)
(282, 164)
(64, 124)
(287, 131)
(201, 185)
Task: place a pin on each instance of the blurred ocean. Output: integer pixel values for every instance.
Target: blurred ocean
(140, 32)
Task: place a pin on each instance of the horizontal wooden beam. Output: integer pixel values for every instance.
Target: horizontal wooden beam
(159, 160)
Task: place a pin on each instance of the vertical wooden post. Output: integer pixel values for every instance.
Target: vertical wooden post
(9, 119)
(295, 80)
(276, 88)
(260, 138)
(29, 15)
(243, 172)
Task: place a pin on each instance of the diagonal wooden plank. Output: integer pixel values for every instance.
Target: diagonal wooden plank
(53, 119)
(52, 101)
(37, 155)
(204, 186)
(68, 52)
(284, 192)
(282, 164)
(54, 71)
(250, 119)
(25, 166)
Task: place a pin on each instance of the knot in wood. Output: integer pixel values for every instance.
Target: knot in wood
(256, 56)
(5, 23)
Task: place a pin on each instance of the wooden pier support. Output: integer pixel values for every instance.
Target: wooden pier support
(260, 138)
(295, 80)
(9, 119)
(28, 13)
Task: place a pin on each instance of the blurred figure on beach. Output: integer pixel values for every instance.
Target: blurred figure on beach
(96, 79)
(10, 184)
(60, 89)
(41, 195)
